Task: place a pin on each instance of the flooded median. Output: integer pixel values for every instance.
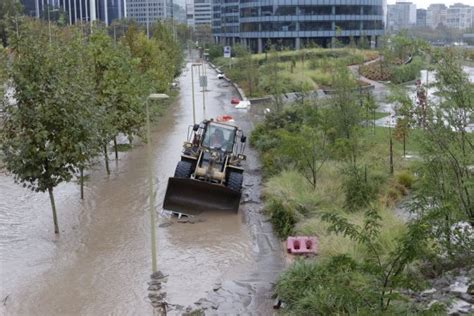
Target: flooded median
(101, 262)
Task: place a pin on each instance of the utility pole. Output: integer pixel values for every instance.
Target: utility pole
(147, 20)
(49, 27)
(204, 85)
(151, 193)
(192, 85)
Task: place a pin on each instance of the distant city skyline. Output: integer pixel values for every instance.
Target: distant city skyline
(423, 4)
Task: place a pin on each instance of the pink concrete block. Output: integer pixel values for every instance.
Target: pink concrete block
(301, 245)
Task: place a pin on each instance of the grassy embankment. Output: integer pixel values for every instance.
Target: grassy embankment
(347, 266)
(306, 69)
(310, 69)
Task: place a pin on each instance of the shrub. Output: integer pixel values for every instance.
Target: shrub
(359, 189)
(406, 179)
(408, 72)
(336, 286)
(282, 217)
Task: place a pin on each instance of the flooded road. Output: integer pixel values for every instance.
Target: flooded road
(101, 262)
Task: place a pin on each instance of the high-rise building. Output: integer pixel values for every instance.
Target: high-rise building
(401, 15)
(421, 17)
(460, 16)
(202, 12)
(78, 10)
(292, 24)
(179, 14)
(190, 13)
(436, 14)
(216, 19)
(149, 11)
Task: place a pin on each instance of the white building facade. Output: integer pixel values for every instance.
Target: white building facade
(460, 16)
(436, 14)
(198, 12)
(401, 15)
(149, 11)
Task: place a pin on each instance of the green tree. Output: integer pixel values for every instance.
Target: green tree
(45, 130)
(106, 76)
(163, 34)
(405, 112)
(446, 188)
(247, 65)
(305, 150)
(388, 268)
(9, 12)
(344, 115)
(275, 84)
(156, 64)
(127, 95)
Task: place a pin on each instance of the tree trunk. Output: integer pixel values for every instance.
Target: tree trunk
(115, 147)
(82, 182)
(404, 145)
(374, 120)
(106, 156)
(53, 207)
(391, 152)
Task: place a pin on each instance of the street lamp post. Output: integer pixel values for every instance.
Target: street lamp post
(192, 85)
(49, 23)
(147, 20)
(151, 194)
(204, 74)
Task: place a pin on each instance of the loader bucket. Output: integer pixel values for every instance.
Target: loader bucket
(191, 196)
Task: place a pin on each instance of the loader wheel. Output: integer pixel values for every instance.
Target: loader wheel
(234, 181)
(184, 169)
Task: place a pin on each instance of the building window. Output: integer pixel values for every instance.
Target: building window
(315, 10)
(316, 26)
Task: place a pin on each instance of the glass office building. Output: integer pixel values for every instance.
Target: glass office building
(293, 23)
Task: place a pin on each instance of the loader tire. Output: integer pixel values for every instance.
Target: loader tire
(234, 181)
(184, 169)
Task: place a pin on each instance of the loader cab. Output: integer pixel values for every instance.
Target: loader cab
(219, 137)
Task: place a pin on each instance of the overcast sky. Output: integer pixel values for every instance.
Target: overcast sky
(423, 4)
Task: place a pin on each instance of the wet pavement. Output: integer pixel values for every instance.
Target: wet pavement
(100, 263)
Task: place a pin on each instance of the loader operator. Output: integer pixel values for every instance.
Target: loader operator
(217, 138)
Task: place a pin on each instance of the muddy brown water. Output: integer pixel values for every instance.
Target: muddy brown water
(101, 262)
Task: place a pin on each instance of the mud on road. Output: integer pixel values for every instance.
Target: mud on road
(221, 263)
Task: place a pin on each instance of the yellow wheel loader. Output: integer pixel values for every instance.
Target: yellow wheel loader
(209, 175)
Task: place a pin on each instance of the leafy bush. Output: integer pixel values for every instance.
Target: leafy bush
(359, 190)
(215, 51)
(282, 217)
(405, 178)
(408, 72)
(337, 286)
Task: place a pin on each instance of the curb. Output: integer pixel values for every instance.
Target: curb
(241, 92)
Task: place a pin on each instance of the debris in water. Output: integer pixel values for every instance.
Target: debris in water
(277, 303)
(157, 275)
(5, 300)
(167, 224)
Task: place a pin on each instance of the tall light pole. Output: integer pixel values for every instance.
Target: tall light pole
(49, 23)
(192, 85)
(204, 85)
(151, 194)
(147, 20)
